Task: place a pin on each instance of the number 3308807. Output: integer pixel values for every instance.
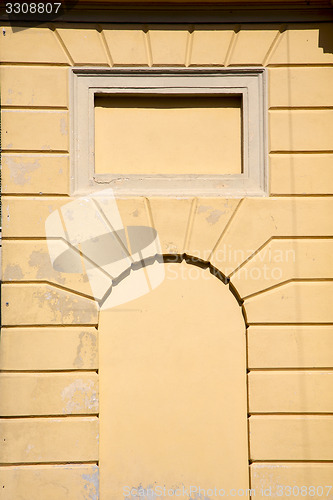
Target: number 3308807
(32, 8)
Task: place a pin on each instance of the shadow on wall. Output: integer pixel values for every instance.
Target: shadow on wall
(326, 39)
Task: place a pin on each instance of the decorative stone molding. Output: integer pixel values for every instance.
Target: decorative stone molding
(249, 83)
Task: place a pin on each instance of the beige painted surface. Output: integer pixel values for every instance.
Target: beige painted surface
(39, 86)
(49, 349)
(280, 261)
(301, 130)
(301, 174)
(290, 346)
(33, 440)
(292, 437)
(304, 44)
(54, 482)
(209, 47)
(36, 45)
(291, 392)
(168, 46)
(35, 174)
(34, 81)
(299, 302)
(301, 86)
(25, 217)
(48, 394)
(85, 46)
(251, 45)
(45, 305)
(126, 46)
(171, 221)
(30, 261)
(168, 135)
(165, 405)
(209, 219)
(25, 130)
(256, 221)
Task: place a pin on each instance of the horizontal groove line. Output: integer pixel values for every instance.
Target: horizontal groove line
(291, 413)
(34, 108)
(36, 195)
(50, 325)
(313, 152)
(38, 64)
(85, 417)
(250, 258)
(284, 283)
(297, 461)
(44, 238)
(300, 65)
(52, 372)
(44, 153)
(292, 369)
(49, 283)
(29, 464)
(302, 237)
(313, 195)
(66, 64)
(38, 151)
(24, 238)
(300, 108)
(300, 323)
(49, 417)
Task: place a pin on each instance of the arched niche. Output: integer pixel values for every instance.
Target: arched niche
(173, 397)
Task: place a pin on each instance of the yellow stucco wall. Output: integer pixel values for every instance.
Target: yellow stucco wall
(276, 251)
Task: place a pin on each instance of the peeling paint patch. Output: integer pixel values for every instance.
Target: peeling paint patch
(91, 485)
(41, 262)
(203, 208)
(13, 272)
(63, 126)
(214, 216)
(66, 308)
(80, 395)
(86, 350)
(20, 171)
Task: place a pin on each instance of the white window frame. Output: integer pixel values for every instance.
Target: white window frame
(250, 83)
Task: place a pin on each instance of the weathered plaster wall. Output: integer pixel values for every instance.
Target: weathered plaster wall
(276, 251)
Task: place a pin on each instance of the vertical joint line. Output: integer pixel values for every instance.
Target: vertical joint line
(225, 229)
(189, 45)
(62, 220)
(189, 228)
(105, 45)
(148, 47)
(274, 44)
(145, 272)
(108, 223)
(149, 213)
(232, 45)
(62, 45)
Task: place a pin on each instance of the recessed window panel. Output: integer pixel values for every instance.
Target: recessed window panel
(168, 135)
